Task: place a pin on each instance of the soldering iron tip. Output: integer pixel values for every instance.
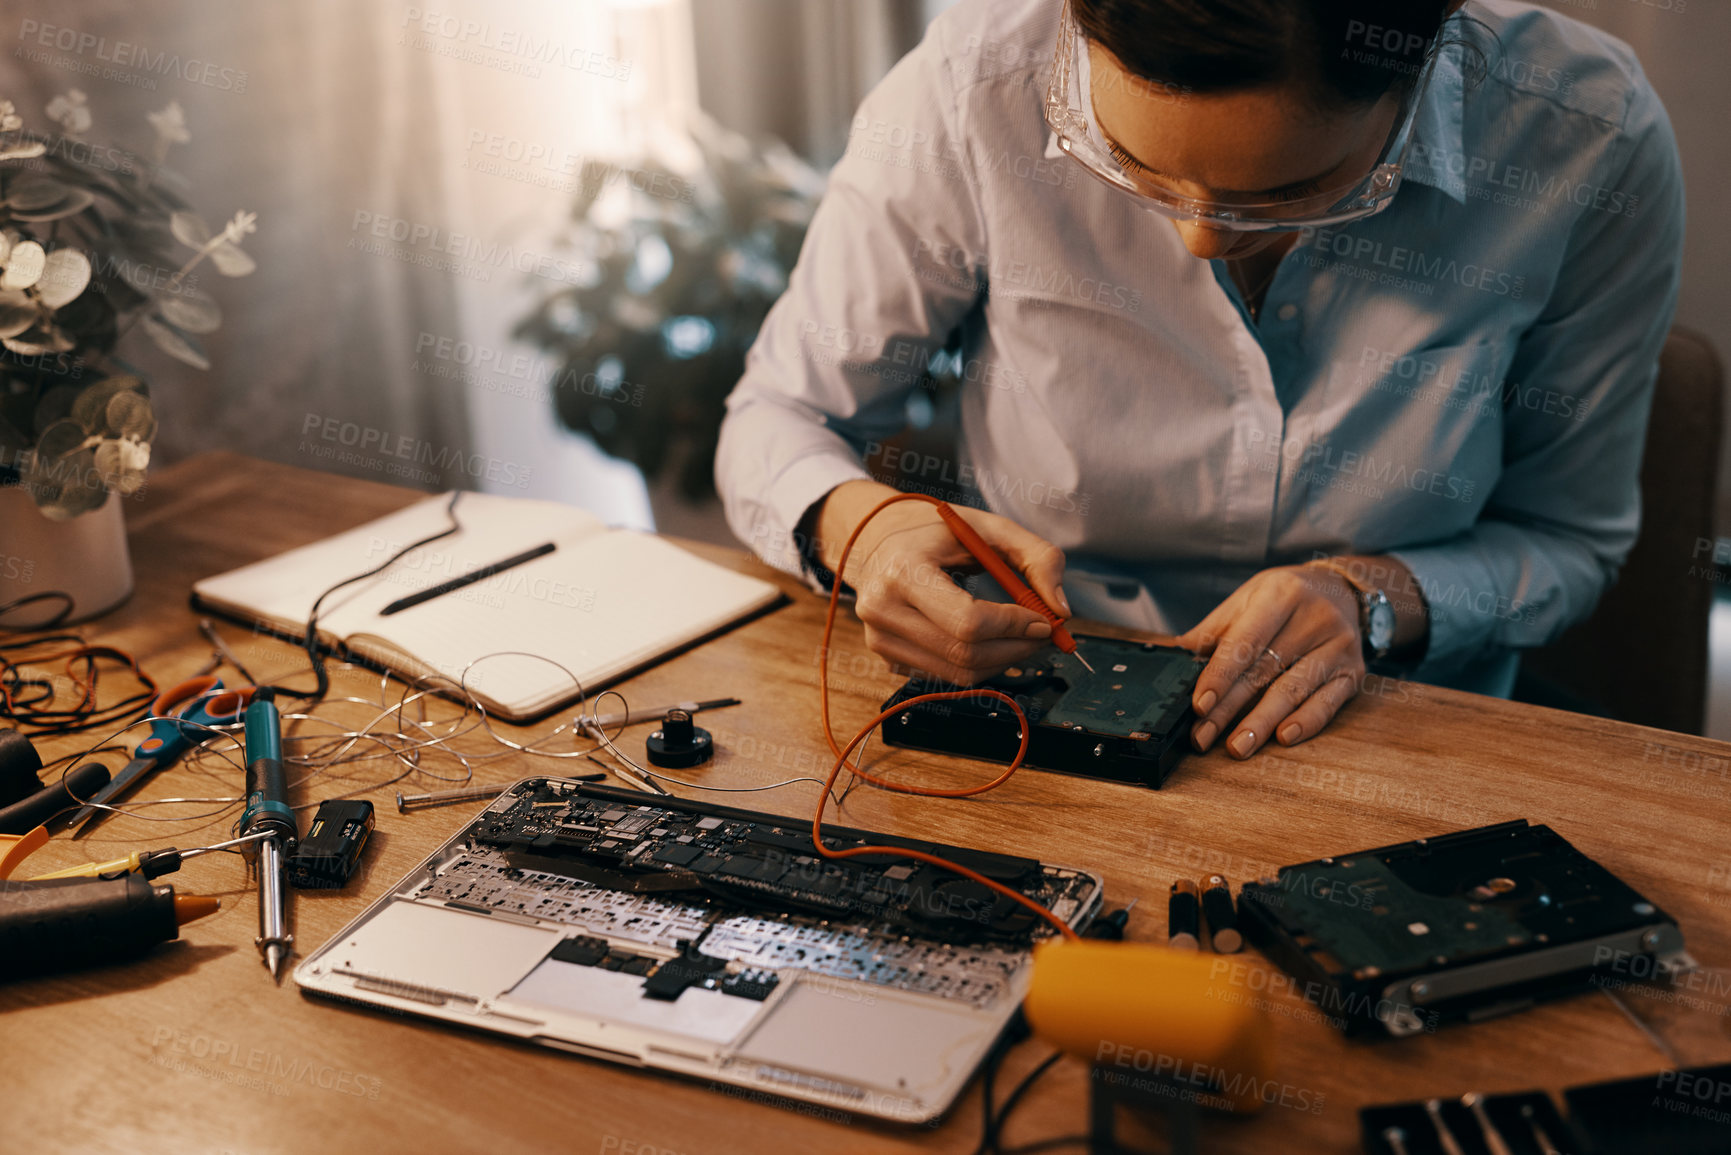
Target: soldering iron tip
(273, 959)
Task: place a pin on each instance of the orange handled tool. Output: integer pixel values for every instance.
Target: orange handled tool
(1007, 577)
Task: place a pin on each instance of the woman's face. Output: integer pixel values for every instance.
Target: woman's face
(1256, 144)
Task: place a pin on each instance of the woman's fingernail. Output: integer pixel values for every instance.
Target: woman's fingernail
(1063, 604)
(1204, 735)
(1206, 702)
(1291, 732)
(1242, 742)
(1038, 630)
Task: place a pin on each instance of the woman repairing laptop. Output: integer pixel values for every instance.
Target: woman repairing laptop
(1320, 333)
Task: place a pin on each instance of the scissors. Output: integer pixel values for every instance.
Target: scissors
(181, 718)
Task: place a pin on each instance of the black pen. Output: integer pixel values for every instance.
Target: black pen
(467, 579)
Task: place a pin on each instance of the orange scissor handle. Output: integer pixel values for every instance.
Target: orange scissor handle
(192, 701)
(174, 697)
(229, 705)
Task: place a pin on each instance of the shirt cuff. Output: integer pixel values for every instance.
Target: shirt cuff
(1457, 585)
(800, 486)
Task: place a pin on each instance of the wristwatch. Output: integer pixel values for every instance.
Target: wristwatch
(1375, 611)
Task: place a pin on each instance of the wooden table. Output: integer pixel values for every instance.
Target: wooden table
(193, 1049)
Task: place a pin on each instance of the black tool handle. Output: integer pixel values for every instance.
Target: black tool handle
(68, 793)
(57, 923)
(20, 768)
(268, 785)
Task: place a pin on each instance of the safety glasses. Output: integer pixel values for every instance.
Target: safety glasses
(1070, 112)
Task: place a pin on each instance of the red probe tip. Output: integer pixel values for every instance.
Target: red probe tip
(1065, 642)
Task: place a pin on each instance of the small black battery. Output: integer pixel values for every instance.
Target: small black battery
(327, 856)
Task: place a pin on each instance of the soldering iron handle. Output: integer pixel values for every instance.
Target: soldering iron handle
(267, 807)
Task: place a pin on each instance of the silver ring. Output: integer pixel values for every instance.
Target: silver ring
(1278, 660)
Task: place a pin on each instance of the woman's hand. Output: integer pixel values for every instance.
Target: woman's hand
(1286, 648)
(915, 615)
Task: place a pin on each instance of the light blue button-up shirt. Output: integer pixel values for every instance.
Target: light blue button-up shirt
(1461, 381)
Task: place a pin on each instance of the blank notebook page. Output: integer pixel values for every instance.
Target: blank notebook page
(602, 603)
(600, 607)
(493, 528)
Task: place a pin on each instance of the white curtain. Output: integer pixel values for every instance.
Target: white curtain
(357, 131)
(309, 117)
(797, 69)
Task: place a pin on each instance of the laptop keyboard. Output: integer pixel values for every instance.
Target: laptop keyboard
(721, 886)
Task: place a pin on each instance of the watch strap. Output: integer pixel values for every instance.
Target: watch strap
(1363, 591)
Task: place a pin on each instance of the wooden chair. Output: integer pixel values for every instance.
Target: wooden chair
(1642, 656)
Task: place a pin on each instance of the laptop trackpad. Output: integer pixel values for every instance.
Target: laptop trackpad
(436, 948)
(872, 1036)
(616, 998)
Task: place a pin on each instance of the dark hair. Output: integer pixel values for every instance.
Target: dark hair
(1342, 51)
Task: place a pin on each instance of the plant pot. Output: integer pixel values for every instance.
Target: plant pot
(85, 558)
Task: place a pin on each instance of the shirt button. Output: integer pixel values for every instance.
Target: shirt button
(1287, 312)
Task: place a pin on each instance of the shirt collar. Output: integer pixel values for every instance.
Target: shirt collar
(1435, 157)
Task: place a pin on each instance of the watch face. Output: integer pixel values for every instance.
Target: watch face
(1379, 628)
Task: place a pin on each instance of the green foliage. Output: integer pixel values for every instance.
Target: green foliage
(681, 270)
(86, 233)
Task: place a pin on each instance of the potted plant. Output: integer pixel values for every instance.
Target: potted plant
(94, 241)
(682, 267)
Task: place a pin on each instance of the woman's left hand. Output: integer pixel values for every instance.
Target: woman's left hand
(1286, 648)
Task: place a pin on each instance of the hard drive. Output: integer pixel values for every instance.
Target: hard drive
(1127, 721)
(1465, 925)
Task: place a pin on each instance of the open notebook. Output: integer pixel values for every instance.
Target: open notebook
(604, 603)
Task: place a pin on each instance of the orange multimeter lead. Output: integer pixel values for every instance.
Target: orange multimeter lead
(841, 753)
(1009, 579)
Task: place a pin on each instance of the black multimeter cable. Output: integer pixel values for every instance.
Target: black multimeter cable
(1108, 926)
(311, 641)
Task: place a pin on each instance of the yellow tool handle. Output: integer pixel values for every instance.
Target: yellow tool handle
(93, 869)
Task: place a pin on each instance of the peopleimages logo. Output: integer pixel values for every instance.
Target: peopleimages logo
(547, 165)
(1007, 486)
(1365, 252)
(362, 445)
(524, 48)
(81, 152)
(529, 376)
(901, 145)
(1488, 178)
(1022, 280)
(125, 54)
(467, 251)
(1319, 458)
(1463, 387)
